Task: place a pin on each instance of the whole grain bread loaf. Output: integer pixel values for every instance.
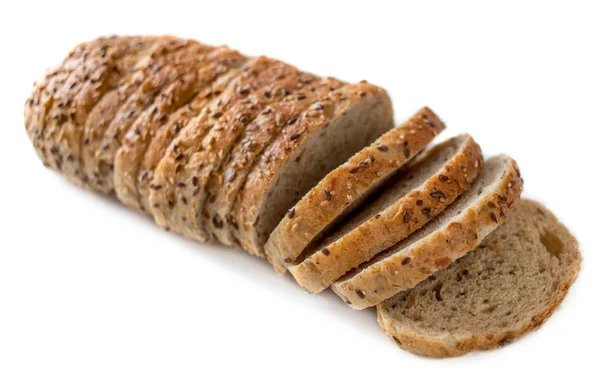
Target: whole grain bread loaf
(217, 146)
(508, 286)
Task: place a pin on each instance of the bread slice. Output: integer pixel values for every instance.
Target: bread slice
(64, 111)
(194, 76)
(346, 187)
(121, 102)
(402, 207)
(176, 183)
(508, 286)
(322, 138)
(456, 231)
(141, 100)
(224, 185)
(177, 122)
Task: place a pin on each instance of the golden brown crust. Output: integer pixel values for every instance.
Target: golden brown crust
(194, 76)
(158, 78)
(92, 69)
(223, 72)
(438, 347)
(396, 222)
(85, 87)
(163, 52)
(169, 199)
(249, 200)
(348, 184)
(224, 184)
(382, 279)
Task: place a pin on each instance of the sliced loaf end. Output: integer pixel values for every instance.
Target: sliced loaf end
(506, 287)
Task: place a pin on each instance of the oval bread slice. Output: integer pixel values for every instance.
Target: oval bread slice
(508, 286)
(408, 201)
(346, 187)
(456, 231)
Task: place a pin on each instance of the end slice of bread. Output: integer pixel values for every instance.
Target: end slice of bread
(508, 286)
(403, 206)
(455, 232)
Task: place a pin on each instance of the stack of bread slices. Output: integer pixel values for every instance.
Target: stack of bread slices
(309, 173)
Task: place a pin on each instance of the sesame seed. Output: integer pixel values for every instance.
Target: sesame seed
(325, 251)
(406, 260)
(383, 148)
(327, 194)
(443, 178)
(291, 213)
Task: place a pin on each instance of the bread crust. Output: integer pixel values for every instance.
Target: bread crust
(396, 222)
(193, 76)
(442, 346)
(167, 133)
(121, 101)
(59, 124)
(133, 108)
(172, 204)
(382, 279)
(347, 185)
(224, 184)
(263, 173)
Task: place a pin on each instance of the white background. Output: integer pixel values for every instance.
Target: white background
(90, 290)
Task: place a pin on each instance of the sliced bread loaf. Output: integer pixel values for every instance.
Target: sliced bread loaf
(323, 137)
(456, 231)
(224, 184)
(408, 201)
(346, 187)
(509, 285)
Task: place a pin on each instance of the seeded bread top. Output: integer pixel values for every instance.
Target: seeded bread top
(60, 108)
(192, 77)
(509, 285)
(223, 72)
(121, 103)
(135, 105)
(177, 167)
(224, 185)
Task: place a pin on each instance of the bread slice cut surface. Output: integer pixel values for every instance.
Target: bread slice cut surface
(455, 232)
(400, 208)
(325, 136)
(509, 285)
(347, 186)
